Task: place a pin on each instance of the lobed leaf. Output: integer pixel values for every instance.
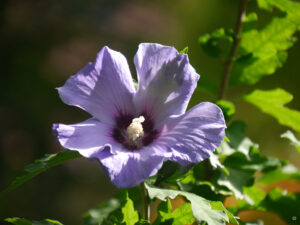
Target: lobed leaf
(263, 51)
(40, 166)
(272, 102)
(213, 213)
(182, 215)
(291, 7)
(130, 215)
(118, 210)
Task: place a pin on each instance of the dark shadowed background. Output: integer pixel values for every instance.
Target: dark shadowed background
(42, 43)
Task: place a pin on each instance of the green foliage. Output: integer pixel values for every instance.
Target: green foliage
(130, 216)
(218, 43)
(242, 160)
(203, 210)
(284, 204)
(272, 102)
(40, 166)
(291, 137)
(118, 210)
(277, 200)
(287, 172)
(263, 51)
(182, 215)
(290, 7)
(20, 221)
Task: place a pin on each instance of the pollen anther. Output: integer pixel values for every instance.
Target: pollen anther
(135, 129)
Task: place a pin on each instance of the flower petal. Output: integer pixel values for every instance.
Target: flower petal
(103, 88)
(87, 137)
(127, 169)
(193, 136)
(166, 80)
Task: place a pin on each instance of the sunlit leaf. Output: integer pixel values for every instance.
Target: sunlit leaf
(263, 51)
(272, 102)
(130, 215)
(291, 7)
(203, 210)
(39, 166)
(182, 215)
(290, 136)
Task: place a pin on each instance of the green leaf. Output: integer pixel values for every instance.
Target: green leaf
(182, 215)
(241, 169)
(238, 142)
(118, 210)
(39, 166)
(291, 7)
(288, 172)
(227, 107)
(263, 51)
(20, 221)
(98, 215)
(290, 136)
(272, 102)
(130, 215)
(168, 169)
(286, 205)
(236, 181)
(252, 163)
(217, 43)
(242, 160)
(203, 210)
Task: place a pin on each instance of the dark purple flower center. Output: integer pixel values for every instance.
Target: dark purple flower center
(122, 123)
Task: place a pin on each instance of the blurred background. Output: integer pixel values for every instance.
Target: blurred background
(42, 43)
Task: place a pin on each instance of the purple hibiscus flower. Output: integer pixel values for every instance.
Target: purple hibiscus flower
(132, 132)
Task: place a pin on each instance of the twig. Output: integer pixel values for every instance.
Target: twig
(228, 63)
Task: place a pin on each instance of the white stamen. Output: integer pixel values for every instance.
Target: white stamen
(135, 129)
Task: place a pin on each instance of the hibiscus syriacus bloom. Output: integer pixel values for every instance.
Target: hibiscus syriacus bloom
(132, 132)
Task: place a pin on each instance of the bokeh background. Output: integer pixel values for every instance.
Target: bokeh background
(42, 43)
